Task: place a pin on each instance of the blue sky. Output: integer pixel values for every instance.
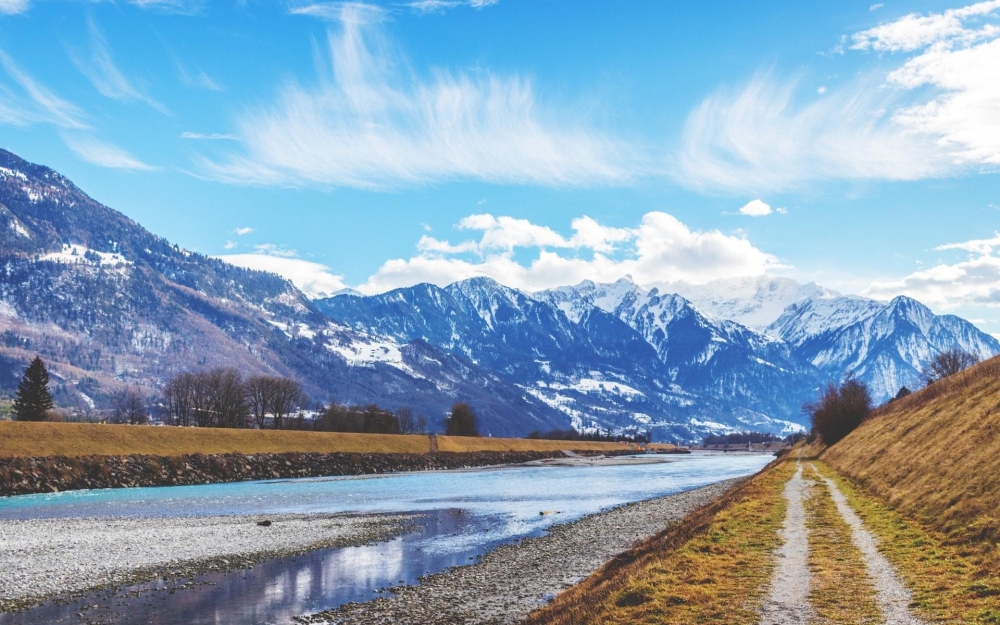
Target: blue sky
(378, 145)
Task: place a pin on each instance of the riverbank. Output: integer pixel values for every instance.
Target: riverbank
(46, 558)
(23, 476)
(509, 582)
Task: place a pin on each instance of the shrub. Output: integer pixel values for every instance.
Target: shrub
(461, 421)
(840, 410)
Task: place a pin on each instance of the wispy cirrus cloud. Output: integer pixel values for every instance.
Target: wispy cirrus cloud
(370, 124)
(177, 7)
(102, 153)
(100, 69)
(933, 115)
(14, 7)
(210, 136)
(438, 6)
(35, 102)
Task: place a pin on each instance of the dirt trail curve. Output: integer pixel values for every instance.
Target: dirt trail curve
(787, 602)
(892, 596)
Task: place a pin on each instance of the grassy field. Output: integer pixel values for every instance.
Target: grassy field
(713, 567)
(18, 439)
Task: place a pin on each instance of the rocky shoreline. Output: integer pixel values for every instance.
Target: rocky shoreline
(24, 476)
(509, 582)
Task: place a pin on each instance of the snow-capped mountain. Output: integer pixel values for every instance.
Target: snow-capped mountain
(608, 355)
(753, 301)
(885, 345)
(107, 303)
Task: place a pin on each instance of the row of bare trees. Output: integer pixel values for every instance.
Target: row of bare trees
(222, 398)
(369, 419)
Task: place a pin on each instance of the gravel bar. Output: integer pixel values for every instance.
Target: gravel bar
(43, 558)
(514, 579)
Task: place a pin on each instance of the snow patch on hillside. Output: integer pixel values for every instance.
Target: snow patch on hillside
(74, 254)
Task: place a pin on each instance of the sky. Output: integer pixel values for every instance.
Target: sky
(538, 142)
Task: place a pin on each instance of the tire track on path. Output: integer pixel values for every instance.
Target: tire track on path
(891, 595)
(787, 602)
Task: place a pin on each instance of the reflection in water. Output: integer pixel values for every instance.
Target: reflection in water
(464, 514)
(273, 591)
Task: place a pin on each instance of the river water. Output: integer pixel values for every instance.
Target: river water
(464, 514)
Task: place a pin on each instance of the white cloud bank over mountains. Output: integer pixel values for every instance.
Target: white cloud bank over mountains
(659, 249)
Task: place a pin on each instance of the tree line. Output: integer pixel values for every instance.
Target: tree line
(223, 398)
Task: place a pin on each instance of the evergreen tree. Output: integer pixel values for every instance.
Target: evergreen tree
(33, 399)
(461, 421)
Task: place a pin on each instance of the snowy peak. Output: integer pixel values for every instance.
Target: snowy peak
(753, 301)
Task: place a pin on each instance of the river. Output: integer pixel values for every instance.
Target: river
(465, 514)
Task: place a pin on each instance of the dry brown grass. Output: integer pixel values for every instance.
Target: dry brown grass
(712, 567)
(935, 456)
(471, 443)
(841, 590)
(20, 439)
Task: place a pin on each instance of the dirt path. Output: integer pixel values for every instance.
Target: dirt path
(892, 596)
(787, 602)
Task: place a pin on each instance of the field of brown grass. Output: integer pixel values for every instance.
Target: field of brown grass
(935, 456)
(19, 439)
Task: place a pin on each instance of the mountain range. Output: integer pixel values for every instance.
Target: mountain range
(107, 303)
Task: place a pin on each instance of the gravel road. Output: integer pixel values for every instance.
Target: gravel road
(512, 580)
(787, 602)
(42, 558)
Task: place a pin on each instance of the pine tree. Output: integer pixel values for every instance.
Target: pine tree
(33, 399)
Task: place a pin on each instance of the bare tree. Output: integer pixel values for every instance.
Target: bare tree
(129, 406)
(178, 394)
(407, 424)
(288, 397)
(259, 391)
(947, 363)
(227, 400)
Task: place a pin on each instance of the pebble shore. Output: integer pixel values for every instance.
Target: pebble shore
(65, 557)
(514, 579)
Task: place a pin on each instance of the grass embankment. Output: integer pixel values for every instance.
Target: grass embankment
(951, 582)
(841, 590)
(934, 459)
(714, 566)
(19, 439)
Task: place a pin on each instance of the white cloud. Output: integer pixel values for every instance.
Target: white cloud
(876, 7)
(932, 115)
(212, 136)
(104, 154)
(370, 124)
(313, 279)
(102, 72)
(42, 104)
(436, 6)
(659, 249)
(914, 31)
(13, 7)
(230, 245)
(755, 208)
(179, 7)
(270, 249)
(969, 282)
(242, 231)
(821, 90)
